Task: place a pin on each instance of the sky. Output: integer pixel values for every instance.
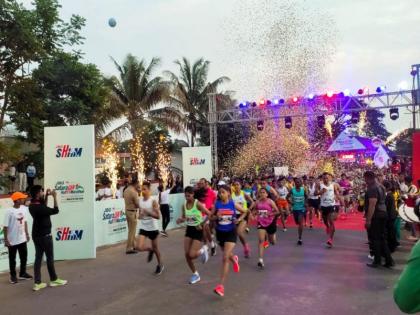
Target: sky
(376, 41)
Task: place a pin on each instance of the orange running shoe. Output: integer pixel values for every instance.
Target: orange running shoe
(235, 263)
(266, 244)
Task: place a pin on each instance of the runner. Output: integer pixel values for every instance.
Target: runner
(328, 192)
(224, 212)
(192, 213)
(282, 203)
(149, 226)
(298, 198)
(345, 188)
(241, 198)
(265, 211)
(207, 197)
(313, 200)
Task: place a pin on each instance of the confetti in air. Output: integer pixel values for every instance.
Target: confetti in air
(282, 48)
(110, 156)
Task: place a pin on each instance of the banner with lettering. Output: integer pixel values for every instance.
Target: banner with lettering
(69, 156)
(196, 164)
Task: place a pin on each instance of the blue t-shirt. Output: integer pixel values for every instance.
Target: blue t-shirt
(298, 199)
(226, 214)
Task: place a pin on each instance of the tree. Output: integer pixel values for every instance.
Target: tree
(26, 38)
(62, 91)
(190, 94)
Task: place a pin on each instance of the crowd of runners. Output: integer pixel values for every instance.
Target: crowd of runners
(217, 217)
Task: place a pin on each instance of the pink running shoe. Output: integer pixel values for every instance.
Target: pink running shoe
(329, 243)
(266, 244)
(235, 263)
(219, 290)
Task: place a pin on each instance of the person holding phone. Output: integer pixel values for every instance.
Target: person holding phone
(41, 235)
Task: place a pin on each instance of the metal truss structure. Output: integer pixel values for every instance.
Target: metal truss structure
(320, 105)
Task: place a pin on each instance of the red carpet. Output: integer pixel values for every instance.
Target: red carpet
(351, 221)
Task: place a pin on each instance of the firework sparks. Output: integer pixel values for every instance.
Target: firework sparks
(396, 135)
(110, 168)
(163, 160)
(137, 156)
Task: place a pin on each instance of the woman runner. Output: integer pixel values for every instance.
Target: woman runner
(149, 226)
(266, 212)
(241, 198)
(192, 213)
(282, 203)
(224, 212)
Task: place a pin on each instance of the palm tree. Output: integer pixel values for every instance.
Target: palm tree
(136, 93)
(189, 95)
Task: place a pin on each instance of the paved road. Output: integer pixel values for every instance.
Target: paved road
(297, 280)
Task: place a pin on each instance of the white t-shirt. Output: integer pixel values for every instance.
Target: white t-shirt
(328, 197)
(14, 220)
(164, 197)
(105, 191)
(283, 192)
(147, 223)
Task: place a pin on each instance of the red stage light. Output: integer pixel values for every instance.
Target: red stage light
(295, 99)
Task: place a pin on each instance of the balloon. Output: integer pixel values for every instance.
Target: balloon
(112, 22)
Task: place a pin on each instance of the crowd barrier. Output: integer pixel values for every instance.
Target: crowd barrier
(110, 225)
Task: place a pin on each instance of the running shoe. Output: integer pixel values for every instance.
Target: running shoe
(219, 290)
(373, 265)
(39, 286)
(150, 256)
(299, 242)
(247, 229)
(247, 251)
(204, 255)
(311, 227)
(213, 250)
(159, 270)
(371, 257)
(58, 283)
(235, 263)
(13, 280)
(284, 230)
(130, 252)
(329, 243)
(260, 265)
(195, 278)
(25, 276)
(266, 244)
(164, 234)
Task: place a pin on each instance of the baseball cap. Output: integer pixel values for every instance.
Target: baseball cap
(18, 195)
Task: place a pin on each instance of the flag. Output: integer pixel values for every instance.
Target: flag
(381, 157)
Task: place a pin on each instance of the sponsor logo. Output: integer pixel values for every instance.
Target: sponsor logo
(70, 192)
(113, 216)
(65, 151)
(65, 234)
(197, 161)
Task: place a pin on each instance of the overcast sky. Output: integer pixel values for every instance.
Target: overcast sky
(378, 40)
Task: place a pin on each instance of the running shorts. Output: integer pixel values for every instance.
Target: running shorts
(152, 235)
(226, 237)
(194, 233)
(314, 203)
(297, 215)
(271, 229)
(327, 210)
(282, 203)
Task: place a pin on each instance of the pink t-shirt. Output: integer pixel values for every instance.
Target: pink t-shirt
(265, 213)
(210, 198)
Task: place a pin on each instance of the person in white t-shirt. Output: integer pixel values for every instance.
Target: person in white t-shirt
(104, 193)
(16, 236)
(164, 208)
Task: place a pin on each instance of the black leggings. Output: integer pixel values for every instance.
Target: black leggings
(23, 256)
(44, 245)
(166, 216)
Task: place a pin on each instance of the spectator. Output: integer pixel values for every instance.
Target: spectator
(376, 220)
(16, 236)
(21, 169)
(105, 192)
(31, 174)
(131, 200)
(392, 216)
(164, 208)
(395, 167)
(12, 178)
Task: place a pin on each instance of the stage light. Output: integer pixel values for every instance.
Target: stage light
(360, 91)
(242, 105)
(288, 122)
(321, 121)
(260, 125)
(346, 92)
(254, 104)
(262, 102)
(341, 95)
(282, 101)
(380, 89)
(295, 99)
(330, 94)
(276, 102)
(403, 86)
(355, 117)
(394, 113)
(311, 96)
(268, 102)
